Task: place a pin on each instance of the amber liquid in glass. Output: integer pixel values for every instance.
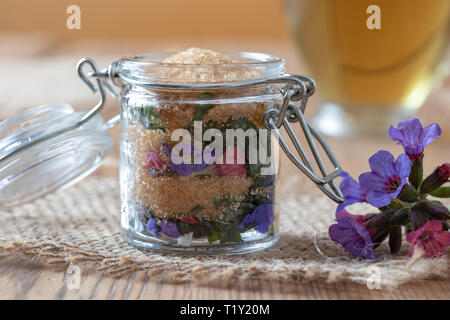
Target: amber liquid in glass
(380, 69)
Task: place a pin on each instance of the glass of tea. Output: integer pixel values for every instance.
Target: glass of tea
(375, 61)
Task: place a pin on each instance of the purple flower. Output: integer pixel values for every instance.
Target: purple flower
(413, 137)
(166, 148)
(185, 169)
(153, 228)
(261, 218)
(353, 235)
(170, 229)
(351, 190)
(386, 179)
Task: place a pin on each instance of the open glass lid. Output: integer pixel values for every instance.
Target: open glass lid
(50, 147)
(31, 166)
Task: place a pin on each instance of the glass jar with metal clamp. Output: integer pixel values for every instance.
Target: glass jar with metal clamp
(198, 149)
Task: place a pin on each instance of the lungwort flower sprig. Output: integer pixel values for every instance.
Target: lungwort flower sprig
(403, 198)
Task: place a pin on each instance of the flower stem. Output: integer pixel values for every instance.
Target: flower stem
(416, 175)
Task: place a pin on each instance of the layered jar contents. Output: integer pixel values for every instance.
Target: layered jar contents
(198, 168)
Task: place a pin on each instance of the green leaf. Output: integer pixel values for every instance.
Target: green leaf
(201, 109)
(232, 236)
(214, 236)
(442, 192)
(396, 204)
(201, 229)
(147, 117)
(242, 123)
(231, 215)
(225, 232)
(197, 209)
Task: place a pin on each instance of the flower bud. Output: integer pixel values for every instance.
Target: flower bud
(435, 209)
(395, 239)
(444, 171)
(379, 224)
(439, 176)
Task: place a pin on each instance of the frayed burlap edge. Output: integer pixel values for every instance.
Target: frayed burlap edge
(82, 225)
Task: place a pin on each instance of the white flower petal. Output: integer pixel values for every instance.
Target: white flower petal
(185, 240)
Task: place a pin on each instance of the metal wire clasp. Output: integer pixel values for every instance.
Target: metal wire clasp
(102, 85)
(289, 112)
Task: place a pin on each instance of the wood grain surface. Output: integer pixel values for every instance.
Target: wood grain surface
(25, 279)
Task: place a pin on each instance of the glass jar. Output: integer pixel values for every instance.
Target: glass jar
(202, 202)
(198, 149)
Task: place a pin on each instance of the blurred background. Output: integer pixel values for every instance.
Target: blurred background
(39, 52)
(362, 73)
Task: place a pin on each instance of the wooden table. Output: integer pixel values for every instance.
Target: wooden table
(24, 279)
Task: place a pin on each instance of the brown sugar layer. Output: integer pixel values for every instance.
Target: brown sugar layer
(144, 140)
(223, 113)
(196, 65)
(174, 197)
(199, 56)
(176, 116)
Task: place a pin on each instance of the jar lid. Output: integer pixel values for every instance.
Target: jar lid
(43, 150)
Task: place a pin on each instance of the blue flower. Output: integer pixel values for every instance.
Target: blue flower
(353, 235)
(351, 190)
(166, 148)
(170, 229)
(153, 228)
(261, 218)
(413, 137)
(386, 179)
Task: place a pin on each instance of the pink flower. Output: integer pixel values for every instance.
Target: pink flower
(189, 220)
(231, 169)
(153, 161)
(430, 238)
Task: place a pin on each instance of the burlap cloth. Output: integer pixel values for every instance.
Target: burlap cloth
(81, 224)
